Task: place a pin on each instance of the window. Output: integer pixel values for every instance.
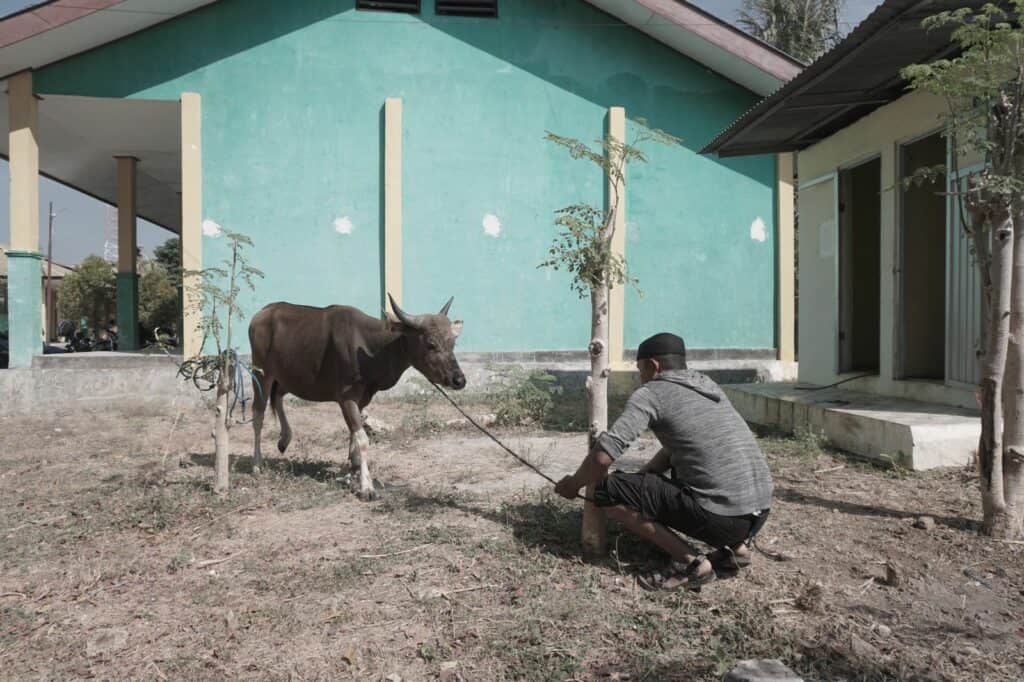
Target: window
(404, 6)
(468, 8)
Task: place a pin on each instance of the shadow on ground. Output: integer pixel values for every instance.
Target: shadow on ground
(316, 470)
(797, 497)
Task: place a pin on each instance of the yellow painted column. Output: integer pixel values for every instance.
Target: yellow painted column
(127, 249)
(191, 219)
(25, 296)
(786, 315)
(888, 320)
(23, 112)
(392, 201)
(616, 194)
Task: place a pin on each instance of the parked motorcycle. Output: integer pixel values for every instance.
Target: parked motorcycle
(78, 340)
(107, 338)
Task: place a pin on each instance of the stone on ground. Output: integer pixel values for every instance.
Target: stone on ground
(761, 670)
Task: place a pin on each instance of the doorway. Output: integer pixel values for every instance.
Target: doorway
(923, 262)
(860, 228)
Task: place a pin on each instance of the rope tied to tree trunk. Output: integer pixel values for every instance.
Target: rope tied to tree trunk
(204, 372)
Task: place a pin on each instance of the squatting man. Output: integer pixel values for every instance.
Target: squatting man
(720, 488)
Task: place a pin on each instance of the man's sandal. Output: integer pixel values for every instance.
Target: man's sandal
(726, 562)
(679, 577)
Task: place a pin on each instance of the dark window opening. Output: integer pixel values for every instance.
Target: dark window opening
(404, 6)
(468, 8)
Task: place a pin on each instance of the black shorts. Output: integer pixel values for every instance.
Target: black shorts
(672, 504)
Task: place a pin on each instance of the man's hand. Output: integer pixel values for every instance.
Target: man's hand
(568, 487)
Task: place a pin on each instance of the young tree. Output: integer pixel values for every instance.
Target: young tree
(583, 247)
(90, 292)
(804, 29)
(983, 89)
(218, 310)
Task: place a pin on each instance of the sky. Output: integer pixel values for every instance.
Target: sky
(81, 222)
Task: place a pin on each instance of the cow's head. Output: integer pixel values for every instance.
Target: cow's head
(431, 340)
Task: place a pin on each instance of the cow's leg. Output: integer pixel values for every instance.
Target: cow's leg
(259, 407)
(358, 448)
(277, 402)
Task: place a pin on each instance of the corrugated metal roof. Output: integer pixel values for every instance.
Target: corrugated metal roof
(853, 79)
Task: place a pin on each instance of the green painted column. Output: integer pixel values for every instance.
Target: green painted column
(127, 310)
(24, 307)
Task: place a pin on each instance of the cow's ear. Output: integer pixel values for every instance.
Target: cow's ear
(393, 323)
(457, 328)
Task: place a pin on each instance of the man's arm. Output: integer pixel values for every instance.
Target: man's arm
(636, 416)
(658, 464)
(591, 470)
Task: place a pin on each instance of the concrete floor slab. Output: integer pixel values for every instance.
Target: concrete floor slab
(916, 434)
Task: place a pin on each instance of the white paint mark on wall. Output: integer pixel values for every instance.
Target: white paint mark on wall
(758, 231)
(343, 225)
(492, 226)
(211, 228)
(826, 243)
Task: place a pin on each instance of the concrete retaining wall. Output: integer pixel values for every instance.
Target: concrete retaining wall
(100, 381)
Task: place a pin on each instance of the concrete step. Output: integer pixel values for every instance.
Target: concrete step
(914, 434)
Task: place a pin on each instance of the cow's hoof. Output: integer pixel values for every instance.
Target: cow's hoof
(257, 470)
(282, 445)
(369, 495)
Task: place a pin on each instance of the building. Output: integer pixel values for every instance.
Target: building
(372, 147)
(889, 300)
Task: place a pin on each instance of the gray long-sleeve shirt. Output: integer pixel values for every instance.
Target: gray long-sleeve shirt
(711, 448)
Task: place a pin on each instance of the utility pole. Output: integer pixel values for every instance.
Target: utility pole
(50, 312)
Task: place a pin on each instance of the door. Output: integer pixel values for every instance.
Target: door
(963, 296)
(819, 279)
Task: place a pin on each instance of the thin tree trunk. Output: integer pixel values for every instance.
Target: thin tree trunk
(594, 525)
(1009, 523)
(990, 445)
(221, 439)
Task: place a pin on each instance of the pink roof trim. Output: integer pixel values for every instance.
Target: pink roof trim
(43, 18)
(725, 36)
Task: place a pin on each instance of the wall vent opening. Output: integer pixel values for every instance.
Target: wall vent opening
(403, 6)
(468, 8)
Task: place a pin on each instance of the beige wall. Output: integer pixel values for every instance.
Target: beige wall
(878, 134)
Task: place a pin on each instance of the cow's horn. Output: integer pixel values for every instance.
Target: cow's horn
(444, 310)
(406, 319)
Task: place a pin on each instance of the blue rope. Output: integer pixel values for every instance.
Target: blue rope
(204, 372)
(239, 393)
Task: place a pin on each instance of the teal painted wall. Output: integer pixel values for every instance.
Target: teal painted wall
(292, 97)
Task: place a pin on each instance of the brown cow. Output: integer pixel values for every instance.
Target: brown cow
(339, 354)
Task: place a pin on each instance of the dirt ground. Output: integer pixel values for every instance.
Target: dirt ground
(116, 561)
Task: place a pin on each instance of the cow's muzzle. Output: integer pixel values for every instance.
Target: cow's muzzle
(459, 381)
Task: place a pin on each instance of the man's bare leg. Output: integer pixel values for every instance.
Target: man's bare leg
(652, 531)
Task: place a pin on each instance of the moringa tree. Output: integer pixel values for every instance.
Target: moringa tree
(218, 310)
(804, 29)
(583, 247)
(983, 89)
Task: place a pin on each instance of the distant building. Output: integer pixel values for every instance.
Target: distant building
(50, 318)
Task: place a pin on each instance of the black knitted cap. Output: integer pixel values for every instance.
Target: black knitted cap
(661, 344)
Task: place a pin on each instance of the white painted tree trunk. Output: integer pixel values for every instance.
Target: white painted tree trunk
(1009, 522)
(990, 445)
(594, 524)
(221, 458)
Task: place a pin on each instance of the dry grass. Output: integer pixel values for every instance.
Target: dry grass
(118, 562)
